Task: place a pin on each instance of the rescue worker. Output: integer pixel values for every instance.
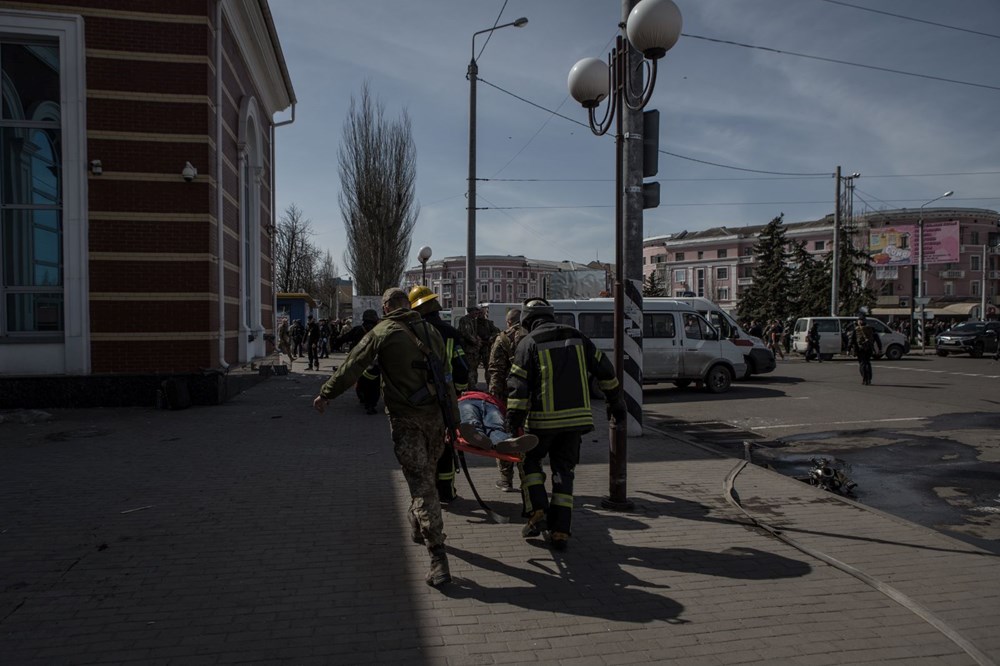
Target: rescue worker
(469, 329)
(863, 342)
(549, 396)
(426, 302)
(501, 358)
(415, 418)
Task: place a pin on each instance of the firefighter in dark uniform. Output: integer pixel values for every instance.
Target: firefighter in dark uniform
(549, 396)
(501, 359)
(426, 302)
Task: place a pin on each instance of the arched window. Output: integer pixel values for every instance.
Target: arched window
(251, 169)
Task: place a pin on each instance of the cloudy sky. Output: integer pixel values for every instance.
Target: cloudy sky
(550, 192)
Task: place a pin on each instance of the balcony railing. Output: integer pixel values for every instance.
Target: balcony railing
(993, 275)
(744, 282)
(951, 275)
(746, 259)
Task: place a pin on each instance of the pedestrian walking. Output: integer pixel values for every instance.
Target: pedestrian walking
(864, 342)
(298, 335)
(501, 359)
(312, 342)
(812, 343)
(549, 396)
(401, 343)
(285, 341)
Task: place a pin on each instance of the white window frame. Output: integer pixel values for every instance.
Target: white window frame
(722, 273)
(69, 354)
(974, 288)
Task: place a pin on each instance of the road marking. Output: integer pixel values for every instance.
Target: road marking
(834, 423)
(940, 372)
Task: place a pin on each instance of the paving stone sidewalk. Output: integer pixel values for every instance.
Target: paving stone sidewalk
(259, 531)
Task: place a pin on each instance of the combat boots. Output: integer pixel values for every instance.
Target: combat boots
(439, 573)
(536, 524)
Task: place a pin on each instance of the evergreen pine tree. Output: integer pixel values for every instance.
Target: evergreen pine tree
(810, 284)
(855, 274)
(768, 297)
(652, 286)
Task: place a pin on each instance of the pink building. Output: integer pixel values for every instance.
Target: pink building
(717, 263)
(502, 278)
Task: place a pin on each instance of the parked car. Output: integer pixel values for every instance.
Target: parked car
(834, 331)
(679, 344)
(972, 337)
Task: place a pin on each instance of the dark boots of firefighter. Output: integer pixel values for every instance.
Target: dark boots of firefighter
(439, 573)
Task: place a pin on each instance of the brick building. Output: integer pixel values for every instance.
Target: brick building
(138, 188)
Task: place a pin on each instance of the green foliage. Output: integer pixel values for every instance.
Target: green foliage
(855, 274)
(769, 296)
(652, 286)
(810, 284)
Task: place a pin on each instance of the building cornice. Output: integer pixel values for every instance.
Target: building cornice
(258, 45)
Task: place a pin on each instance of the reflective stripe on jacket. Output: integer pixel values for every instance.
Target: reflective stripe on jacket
(550, 378)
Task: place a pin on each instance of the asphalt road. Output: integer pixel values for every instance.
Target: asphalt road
(923, 442)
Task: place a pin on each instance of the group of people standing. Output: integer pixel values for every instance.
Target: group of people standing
(315, 339)
(537, 403)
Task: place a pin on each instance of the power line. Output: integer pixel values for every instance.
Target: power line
(700, 180)
(840, 62)
(546, 122)
(490, 34)
(910, 18)
(665, 152)
(725, 203)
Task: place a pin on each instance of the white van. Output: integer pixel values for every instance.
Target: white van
(679, 344)
(833, 335)
(758, 358)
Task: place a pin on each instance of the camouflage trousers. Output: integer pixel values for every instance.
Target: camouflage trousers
(418, 442)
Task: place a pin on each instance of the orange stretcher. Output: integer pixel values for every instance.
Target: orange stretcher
(462, 445)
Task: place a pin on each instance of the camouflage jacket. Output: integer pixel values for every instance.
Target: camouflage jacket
(501, 359)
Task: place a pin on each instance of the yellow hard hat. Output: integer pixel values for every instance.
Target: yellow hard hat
(420, 294)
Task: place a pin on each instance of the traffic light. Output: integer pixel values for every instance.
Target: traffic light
(650, 143)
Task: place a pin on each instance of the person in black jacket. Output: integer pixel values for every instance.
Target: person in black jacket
(549, 396)
(312, 343)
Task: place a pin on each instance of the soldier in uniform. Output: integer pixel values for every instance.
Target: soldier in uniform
(426, 302)
(863, 342)
(415, 419)
(469, 329)
(501, 358)
(487, 332)
(549, 396)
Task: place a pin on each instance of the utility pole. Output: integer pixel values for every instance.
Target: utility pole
(632, 158)
(835, 270)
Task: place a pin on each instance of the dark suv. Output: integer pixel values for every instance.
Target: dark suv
(973, 338)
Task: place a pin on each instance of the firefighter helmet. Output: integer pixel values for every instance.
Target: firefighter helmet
(535, 309)
(419, 295)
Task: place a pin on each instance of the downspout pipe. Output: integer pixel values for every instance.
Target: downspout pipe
(274, 221)
(219, 181)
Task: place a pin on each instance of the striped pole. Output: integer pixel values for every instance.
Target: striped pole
(632, 377)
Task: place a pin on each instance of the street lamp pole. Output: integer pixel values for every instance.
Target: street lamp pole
(920, 269)
(422, 256)
(470, 249)
(652, 28)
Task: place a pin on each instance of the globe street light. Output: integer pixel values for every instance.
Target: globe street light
(422, 256)
(470, 250)
(920, 269)
(652, 28)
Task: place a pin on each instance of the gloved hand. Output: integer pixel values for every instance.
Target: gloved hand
(516, 419)
(617, 411)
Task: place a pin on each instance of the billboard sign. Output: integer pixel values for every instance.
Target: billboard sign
(898, 245)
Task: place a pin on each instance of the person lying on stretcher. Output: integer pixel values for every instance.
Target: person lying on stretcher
(483, 425)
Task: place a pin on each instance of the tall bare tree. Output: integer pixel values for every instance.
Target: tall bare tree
(377, 175)
(328, 284)
(295, 255)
